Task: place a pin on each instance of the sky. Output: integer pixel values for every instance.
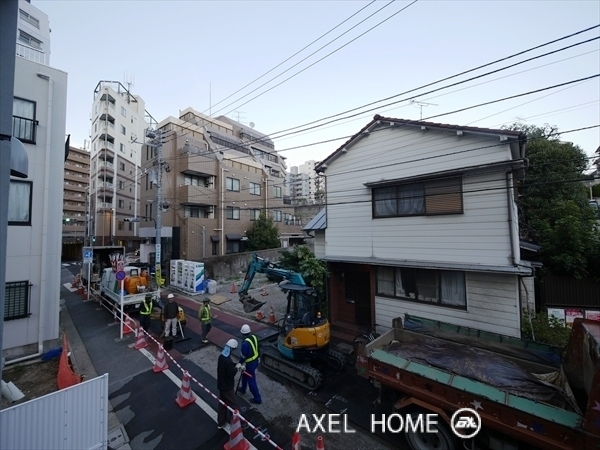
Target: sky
(208, 54)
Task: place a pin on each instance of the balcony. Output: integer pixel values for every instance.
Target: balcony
(32, 54)
(105, 205)
(24, 129)
(197, 195)
(106, 165)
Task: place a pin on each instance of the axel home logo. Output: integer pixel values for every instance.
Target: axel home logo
(326, 423)
(465, 423)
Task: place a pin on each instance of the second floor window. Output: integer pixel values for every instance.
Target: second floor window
(428, 197)
(254, 214)
(122, 166)
(232, 184)
(254, 188)
(277, 191)
(24, 122)
(276, 216)
(29, 40)
(123, 130)
(19, 202)
(233, 213)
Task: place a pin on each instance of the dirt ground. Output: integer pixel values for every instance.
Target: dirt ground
(34, 379)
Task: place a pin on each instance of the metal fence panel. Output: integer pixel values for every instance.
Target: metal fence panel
(568, 292)
(74, 418)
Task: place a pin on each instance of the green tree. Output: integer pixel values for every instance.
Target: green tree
(553, 205)
(303, 261)
(264, 234)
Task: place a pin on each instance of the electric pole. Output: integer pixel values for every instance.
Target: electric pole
(156, 137)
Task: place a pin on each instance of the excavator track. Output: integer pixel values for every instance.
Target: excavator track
(336, 360)
(302, 374)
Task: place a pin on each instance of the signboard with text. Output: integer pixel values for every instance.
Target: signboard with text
(88, 255)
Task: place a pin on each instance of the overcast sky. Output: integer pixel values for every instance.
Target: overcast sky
(197, 53)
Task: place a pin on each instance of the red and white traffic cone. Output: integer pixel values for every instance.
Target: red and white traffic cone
(296, 442)
(260, 315)
(272, 316)
(264, 292)
(236, 435)
(161, 362)
(127, 326)
(320, 445)
(233, 289)
(185, 396)
(140, 340)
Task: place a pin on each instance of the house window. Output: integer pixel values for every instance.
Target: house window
(29, 40)
(29, 18)
(121, 184)
(19, 202)
(193, 180)
(214, 247)
(276, 216)
(121, 203)
(233, 184)
(254, 188)
(24, 123)
(433, 197)
(233, 213)
(254, 214)
(191, 211)
(123, 130)
(122, 147)
(123, 112)
(130, 226)
(438, 287)
(130, 206)
(277, 191)
(16, 300)
(122, 166)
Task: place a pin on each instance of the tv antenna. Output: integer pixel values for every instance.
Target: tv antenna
(420, 106)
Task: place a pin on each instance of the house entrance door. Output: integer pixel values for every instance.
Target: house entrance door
(361, 285)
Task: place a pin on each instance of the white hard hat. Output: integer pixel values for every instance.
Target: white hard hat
(232, 343)
(245, 329)
(170, 296)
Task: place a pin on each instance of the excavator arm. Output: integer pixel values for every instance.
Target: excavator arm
(260, 265)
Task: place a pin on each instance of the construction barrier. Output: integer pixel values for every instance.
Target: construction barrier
(233, 289)
(161, 362)
(272, 316)
(127, 326)
(236, 436)
(140, 339)
(66, 377)
(259, 315)
(296, 442)
(185, 396)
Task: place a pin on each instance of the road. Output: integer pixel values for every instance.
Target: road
(145, 401)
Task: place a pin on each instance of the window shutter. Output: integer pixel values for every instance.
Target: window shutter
(444, 196)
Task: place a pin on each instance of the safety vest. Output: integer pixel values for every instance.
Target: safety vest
(146, 308)
(205, 314)
(253, 341)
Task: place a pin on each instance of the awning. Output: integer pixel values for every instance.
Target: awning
(234, 237)
(215, 238)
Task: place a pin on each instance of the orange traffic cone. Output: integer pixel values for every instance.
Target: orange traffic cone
(236, 436)
(161, 362)
(296, 442)
(272, 316)
(185, 396)
(264, 292)
(127, 326)
(140, 339)
(233, 289)
(320, 445)
(260, 315)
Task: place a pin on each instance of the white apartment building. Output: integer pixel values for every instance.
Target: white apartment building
(303, 184)
(33, 33)
(117, 133)
(32, 298)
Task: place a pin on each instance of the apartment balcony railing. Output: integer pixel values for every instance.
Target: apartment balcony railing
(24, 129)
(106, 184)
(32, 54)
(104, 205)
(106, 164)
(106, 144)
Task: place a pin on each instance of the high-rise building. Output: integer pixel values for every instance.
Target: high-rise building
(304, 185)
(75, 203)
(117, 133)
(33, 34)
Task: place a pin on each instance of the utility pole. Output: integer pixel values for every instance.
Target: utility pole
(87, 218)
(156, 136)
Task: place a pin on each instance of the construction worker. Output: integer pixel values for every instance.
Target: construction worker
(250, 358)
(145, 311)
(170, 311)
(205, 317)
(226, 370)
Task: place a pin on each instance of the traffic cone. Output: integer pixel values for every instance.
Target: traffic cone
(236, 435)
(185, 396)
(296, 442)
(140, 340)
(320, 445)
(161, 362)
(233, 289)
(272, 316)
(264, 292)
(260, 315)
(127, 326)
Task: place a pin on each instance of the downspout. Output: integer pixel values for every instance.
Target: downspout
(511, 219)
(44, 271)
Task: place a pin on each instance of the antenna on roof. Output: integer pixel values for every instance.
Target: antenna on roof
(420, 105)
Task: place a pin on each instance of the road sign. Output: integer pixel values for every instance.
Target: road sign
(120, 275)
(120, 265)
(88, 255)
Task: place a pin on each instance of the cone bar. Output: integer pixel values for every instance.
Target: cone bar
(185, 396)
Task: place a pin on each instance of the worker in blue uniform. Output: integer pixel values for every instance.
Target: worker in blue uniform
(250, 358)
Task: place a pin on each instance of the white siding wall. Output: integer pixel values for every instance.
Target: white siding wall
(25, 244)
(479, 236)
(527, 294)
(492, 305)
(319, 243)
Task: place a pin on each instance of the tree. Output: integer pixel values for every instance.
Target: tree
(303, 261)
(264, 234)
(553, 206)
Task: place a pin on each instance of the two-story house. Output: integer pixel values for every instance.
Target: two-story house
(421, 218)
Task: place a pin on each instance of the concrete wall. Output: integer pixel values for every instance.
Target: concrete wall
(235, 264)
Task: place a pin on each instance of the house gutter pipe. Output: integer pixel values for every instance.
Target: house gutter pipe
(511, 219)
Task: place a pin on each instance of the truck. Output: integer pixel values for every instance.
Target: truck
(101, 257)
(135, 286)
(524, 394)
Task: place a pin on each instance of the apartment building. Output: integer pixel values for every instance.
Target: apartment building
(32, 294)
(118, 121)
(33, 34)
(304, 185)
(75, 202)
(219, 175)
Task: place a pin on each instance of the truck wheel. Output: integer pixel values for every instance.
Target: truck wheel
(442, 440)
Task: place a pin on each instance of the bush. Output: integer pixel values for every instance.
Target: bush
(546, 329)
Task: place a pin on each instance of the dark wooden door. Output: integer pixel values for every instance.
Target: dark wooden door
(358, 290)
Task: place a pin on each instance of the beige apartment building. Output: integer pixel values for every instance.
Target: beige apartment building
(75, 202)
(218, 176)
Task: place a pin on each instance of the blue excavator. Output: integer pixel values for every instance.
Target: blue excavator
(303, 333)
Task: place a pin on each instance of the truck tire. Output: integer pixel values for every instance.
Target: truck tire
(442, 440)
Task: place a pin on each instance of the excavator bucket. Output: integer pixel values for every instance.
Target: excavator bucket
(251, 304)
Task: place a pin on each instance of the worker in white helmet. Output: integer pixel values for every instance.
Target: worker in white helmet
(250, 358)
(226, 370)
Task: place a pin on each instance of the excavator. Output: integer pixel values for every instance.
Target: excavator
(303, 334)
